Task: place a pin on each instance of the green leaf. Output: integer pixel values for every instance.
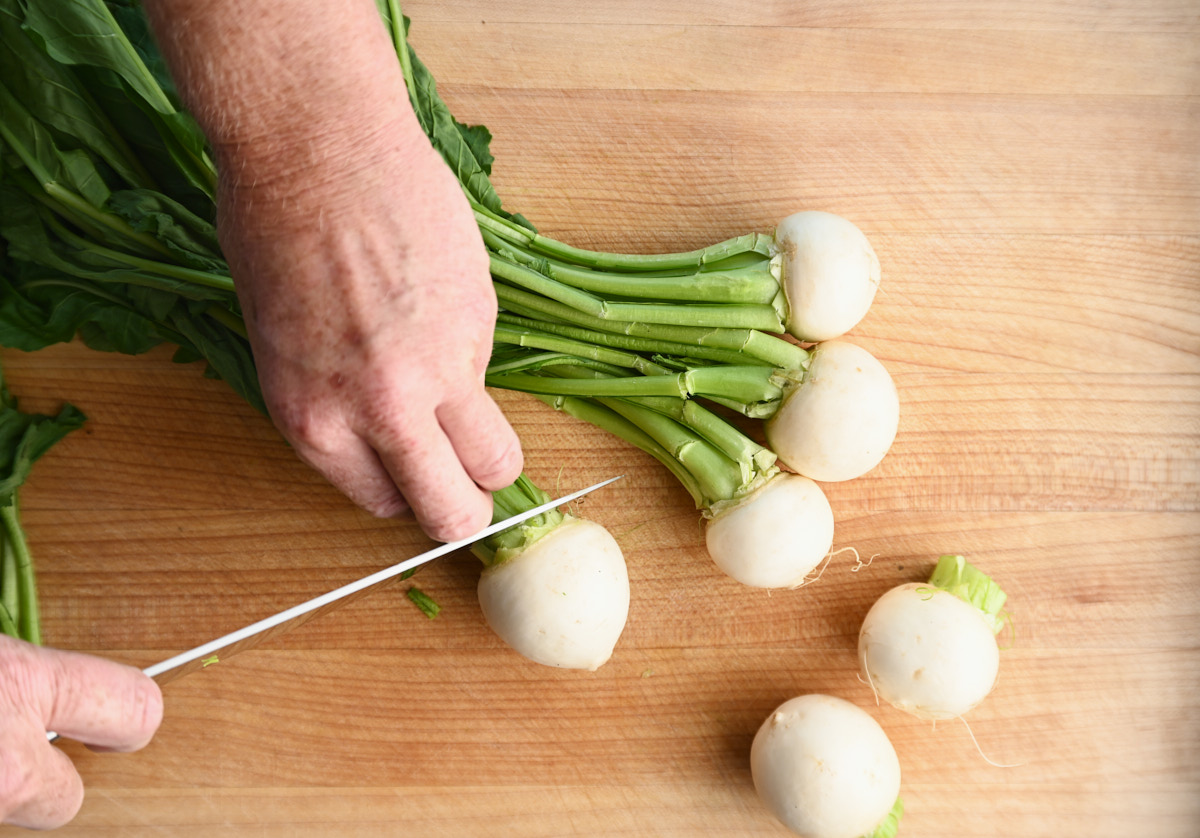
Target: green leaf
(24, 437)
(84, 32)
(227, 353)
(52, 91)
(25, 135)
(190, 237)
(466, 149)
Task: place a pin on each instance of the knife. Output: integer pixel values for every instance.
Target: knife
(250, 636)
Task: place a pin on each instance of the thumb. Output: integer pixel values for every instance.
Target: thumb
(99, 702)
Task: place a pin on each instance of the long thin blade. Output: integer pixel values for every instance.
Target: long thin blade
(250, 636)
(253, 634)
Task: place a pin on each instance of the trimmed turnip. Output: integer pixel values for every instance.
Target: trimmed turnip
(826, 769)
(930, 649)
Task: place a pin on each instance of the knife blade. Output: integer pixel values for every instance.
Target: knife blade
(247, 637)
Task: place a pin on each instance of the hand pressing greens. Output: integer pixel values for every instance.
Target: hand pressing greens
(109, 220)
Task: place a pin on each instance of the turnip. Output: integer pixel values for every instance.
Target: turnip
(830, 274)
(556, 588)
(841, 419)
(775, 536)
(830, 417)
(563, 600)
(930, 649)
(814, 278)
(765, 528)
(826, 769)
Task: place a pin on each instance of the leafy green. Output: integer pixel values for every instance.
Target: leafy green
(52, 90)
(24, 437)
(81, 32)
(465, 148)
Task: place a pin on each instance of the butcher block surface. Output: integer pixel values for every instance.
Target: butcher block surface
(1029, 175)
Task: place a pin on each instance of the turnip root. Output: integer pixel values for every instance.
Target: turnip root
(930, 649)
(826, 769)
(775, 536)
(841, 419)
(563, 599)
(829, 274)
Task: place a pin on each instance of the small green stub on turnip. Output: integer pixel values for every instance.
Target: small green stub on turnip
(889, 827)
(957, 576)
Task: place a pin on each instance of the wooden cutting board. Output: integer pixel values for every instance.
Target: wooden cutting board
(1029, 173)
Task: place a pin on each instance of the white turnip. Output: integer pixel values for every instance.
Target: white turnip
(826, 769)
(840, 420)
(775, 536)
(562, 600)
(829, 274)
(930, 649)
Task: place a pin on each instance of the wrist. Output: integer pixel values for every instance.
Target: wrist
(334, 155)
(287, 93)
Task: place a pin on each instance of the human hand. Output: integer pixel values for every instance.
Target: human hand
(370, 309)
(103, 704)
(363, 278)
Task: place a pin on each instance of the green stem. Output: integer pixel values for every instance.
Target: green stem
(727, 439)
(627, 342)
(607, 420)
(732, 316)
(956, 575)
(514, 233)
(752, 458)
(718, 477)
(554, 343)
(29, 619)
(752, 388)
(227, 319)
(512, 500)
(400, 42)
(175, 272)
(772, 350)
(746, 284)
(104, 219)
(9, 603)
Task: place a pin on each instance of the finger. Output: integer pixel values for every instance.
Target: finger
(485, 443)
(39, 786)
(353, 467)
(100, 702)
(445, 500)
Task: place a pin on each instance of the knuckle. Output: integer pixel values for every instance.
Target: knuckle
(454, 523)
(303, 428)
(502, 467)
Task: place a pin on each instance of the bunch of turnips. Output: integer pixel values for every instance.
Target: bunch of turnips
(678, 354)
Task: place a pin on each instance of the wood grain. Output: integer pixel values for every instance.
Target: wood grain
(1029, 173)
